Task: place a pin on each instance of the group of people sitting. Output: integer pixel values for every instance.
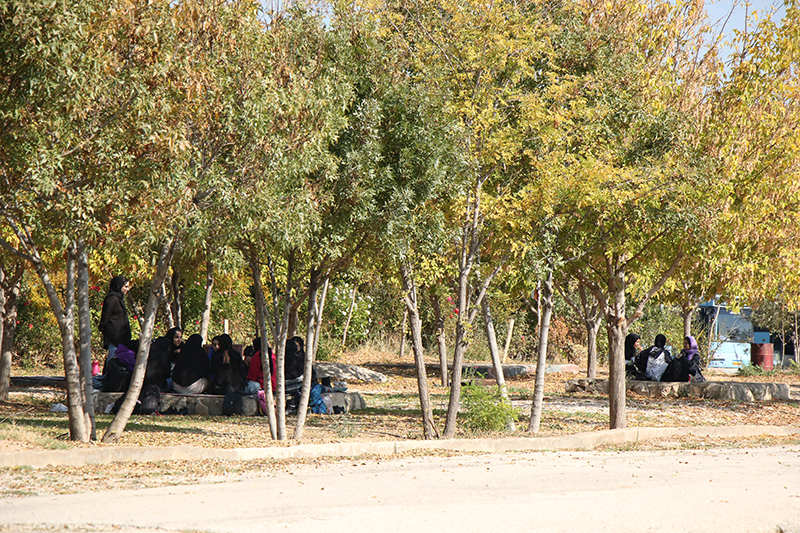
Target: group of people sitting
(190, 368)
(656, 363)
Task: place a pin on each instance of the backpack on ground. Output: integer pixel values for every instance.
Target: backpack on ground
(150, 399)
(232, 404)
(118, 377)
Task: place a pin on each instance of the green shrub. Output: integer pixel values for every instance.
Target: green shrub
(485, 409)
(753, 370)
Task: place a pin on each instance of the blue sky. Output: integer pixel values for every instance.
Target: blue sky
(718, 11)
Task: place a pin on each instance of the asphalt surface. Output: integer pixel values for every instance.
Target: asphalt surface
(749, 490)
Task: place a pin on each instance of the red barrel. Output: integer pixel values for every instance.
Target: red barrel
(761, 355)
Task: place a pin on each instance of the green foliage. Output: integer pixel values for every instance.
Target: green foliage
(660, 319)
(749, 370)
(37, 340)
(485, 409)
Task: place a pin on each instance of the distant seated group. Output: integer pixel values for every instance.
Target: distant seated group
(656, 363)
(188, 368)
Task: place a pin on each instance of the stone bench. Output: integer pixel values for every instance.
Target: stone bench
(715, 390)
(211, 404)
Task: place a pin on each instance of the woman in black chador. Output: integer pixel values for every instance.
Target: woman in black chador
(114, 324)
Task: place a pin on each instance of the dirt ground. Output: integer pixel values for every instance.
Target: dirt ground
(392, 414)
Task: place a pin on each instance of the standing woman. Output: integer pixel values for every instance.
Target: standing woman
(114, 324)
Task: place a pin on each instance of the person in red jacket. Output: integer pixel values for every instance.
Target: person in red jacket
(255, 372)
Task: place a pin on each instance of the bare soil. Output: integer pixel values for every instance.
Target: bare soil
(392, 414)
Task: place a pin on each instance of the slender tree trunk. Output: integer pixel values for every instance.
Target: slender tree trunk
(167, 307)
(441, 339)
(592, 329)
(294, 319)
(688, 309)
(410, 299)
(712, 328)
(461, 345)
(85, 336)
(206, 319)
(494, 351)
(177, 298)
(78, 430)
(617, 328)
(349, 316)
(318, 328)
(280, 348)
(262, 331)
(403, 333)
(311, 320)
(590, 312)
(117, 425)
(10, 287)
(65, 316)
(509, 336)
(546, 302)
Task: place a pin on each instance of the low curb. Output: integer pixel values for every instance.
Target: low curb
(579, 441)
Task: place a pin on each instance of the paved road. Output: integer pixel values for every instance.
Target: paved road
(753, 490)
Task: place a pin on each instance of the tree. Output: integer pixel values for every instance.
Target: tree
(616, 164)
(10, 281)
(474, 55)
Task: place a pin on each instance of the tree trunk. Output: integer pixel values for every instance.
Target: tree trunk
(546, 302)
(280, 348)
(294, 319)
(117, 425)
(440, 337)
(410, 299)
(592, 329)
(78, 429)
(349, 316)
(65, 316)
(206, 319)
(493, 350)
(85, 336)
(617, 329)
(10, 286)
(403, 333)
(508, 339)
(687, 310)
(262, 331)
(311, 320)
(455, 383)
(177, 299)
(167, 307)
(318, 328)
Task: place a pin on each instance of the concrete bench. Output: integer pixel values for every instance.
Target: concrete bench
(211, 404)
(716, 390)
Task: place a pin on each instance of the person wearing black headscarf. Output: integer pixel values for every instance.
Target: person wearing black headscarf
(114, 323)
(158, 365)
(175, 336)
(631, 349)
(192, 371)
(230, 372)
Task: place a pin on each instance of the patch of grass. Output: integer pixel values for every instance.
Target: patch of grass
(27, 435)
(344, 427)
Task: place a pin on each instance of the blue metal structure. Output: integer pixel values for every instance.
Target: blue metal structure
(730, 333)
